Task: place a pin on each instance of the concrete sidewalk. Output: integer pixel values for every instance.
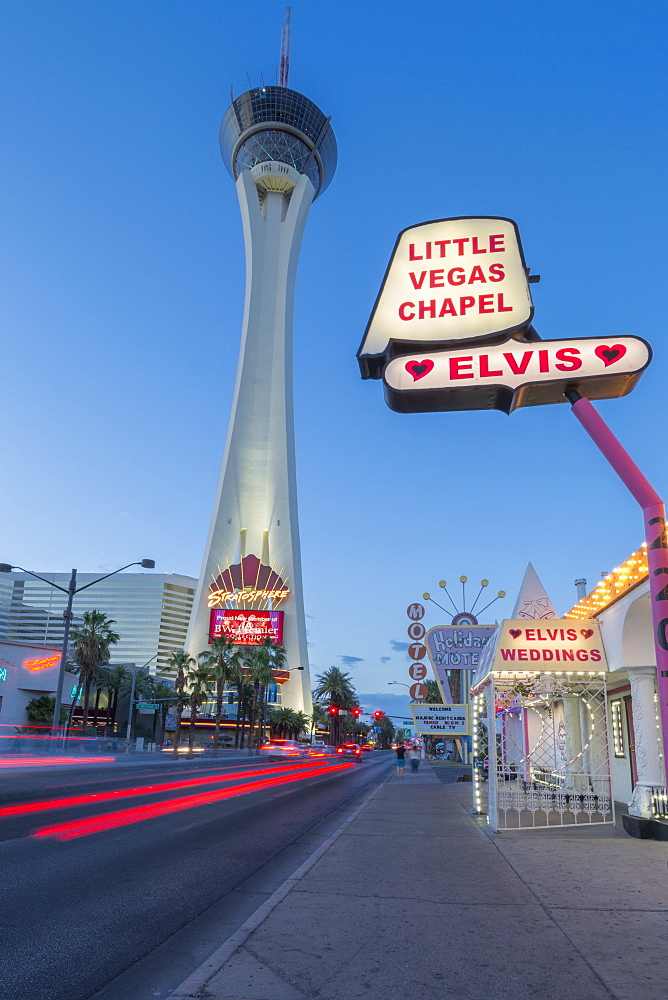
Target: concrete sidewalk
(416, 900)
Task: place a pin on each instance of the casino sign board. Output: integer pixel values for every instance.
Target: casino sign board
(452, 328)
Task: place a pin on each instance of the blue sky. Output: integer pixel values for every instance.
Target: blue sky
(122, 274)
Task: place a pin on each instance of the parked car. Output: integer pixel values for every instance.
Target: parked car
(285, 748)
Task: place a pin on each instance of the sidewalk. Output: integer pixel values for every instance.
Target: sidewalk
(416, 900)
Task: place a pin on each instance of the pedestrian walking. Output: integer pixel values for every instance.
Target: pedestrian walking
(414, 757)
(400, 751)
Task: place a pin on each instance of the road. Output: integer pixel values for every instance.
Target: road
(125, 912)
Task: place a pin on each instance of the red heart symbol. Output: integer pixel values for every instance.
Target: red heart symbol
(586, 632)
(515, 632)
(418, 369)
(608, 354)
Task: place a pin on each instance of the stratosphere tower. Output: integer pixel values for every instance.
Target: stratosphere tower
(280, 150)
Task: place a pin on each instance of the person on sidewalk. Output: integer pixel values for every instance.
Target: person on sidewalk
(400, 751)
(414, 757)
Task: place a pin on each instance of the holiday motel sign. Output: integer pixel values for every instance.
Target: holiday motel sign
(451, 328)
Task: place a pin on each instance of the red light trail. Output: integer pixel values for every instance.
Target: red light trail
(99, 797)
(137, 814)
(9, 762)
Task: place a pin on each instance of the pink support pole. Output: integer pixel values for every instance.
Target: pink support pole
(654, 513)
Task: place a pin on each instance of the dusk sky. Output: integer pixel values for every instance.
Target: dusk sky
(122, 283)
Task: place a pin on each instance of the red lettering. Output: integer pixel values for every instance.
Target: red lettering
(496, 244)
(508, 654)
(436, 278)
(459, 272)
(460, 243)
(477, 275)
(543, 362)
(466, 302)
(402, 310)
(484, 367)
(427, 307)
(474, 246)
(411, 252)
(417, 283)
(428, 251)
(496, 272)
(461, 367)
(447, 309)
(582, 655)
(534, 654)
(518, 369)
(595, 655)
(442, 244)
(522, 654)
(571, 634)
(501, 307)
(571, 356)
(548, 654)
(486, 303)
(531, 634)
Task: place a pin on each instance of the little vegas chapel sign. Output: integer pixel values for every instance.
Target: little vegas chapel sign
(451, 328)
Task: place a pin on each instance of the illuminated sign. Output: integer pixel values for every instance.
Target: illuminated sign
(3, 673)
(246, 628)
(515, 373)
(44, 664)
(247, 582)
(554, 645)
(448, 280)
(441, 720)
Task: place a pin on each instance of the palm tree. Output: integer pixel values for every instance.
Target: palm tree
(319, 717)
(115, 677)
(161, 692)
(91, 643)
(181, 663)
(221, 659)
(299, 724)
(281, 721)
(200, 683)
(434, 693)
(336, 687)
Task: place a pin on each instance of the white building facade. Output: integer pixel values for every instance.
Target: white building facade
(281, 151)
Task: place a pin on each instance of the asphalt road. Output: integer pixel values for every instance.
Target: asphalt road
(126, 913)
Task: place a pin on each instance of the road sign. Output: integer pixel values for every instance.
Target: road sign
(343, 711)
(419, 692)
(170, 722)
(147, 706)
(377, 729)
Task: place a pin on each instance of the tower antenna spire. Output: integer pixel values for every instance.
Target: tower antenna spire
(284, 70)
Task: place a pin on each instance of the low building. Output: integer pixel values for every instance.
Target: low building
(27, 672)
(621, 604)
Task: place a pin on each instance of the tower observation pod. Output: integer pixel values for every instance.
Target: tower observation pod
(281, 152)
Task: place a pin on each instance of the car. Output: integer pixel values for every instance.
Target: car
(350, 750)
(285, 748)
(367, 746)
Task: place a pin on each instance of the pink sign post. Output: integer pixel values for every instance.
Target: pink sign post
(654, 513)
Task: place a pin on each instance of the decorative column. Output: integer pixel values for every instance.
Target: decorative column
(572, 723)
(647, 741)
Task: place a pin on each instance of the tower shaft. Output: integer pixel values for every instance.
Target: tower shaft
(255, 512)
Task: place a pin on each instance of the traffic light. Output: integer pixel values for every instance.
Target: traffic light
(357, 711)
(378, 715)
(333, 710)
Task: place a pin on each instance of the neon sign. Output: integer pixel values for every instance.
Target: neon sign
(247, 582)
(44, 664)
(3, 673)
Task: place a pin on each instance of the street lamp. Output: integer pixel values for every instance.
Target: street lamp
(400, 682)
(70, 590)
(135, 671)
